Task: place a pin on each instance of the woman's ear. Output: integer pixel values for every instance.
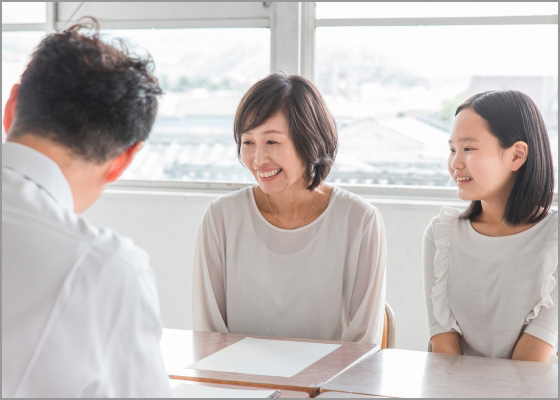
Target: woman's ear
(519, 157)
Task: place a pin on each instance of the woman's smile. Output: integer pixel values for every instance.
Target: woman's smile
(268, 174)
(268, 146)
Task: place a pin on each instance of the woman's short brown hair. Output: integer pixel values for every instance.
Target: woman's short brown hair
(312, 127)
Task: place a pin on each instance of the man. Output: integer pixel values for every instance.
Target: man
(80, 313)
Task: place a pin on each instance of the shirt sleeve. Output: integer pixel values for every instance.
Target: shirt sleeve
(209, 300)
(365, 303)
(428, 257)
(134, 361)
(545, 325)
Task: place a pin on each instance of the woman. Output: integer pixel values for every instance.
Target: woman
(290, 256)
(491, 272)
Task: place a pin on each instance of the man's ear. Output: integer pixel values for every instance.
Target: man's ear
(10, 108)
(119, 164)
(520, 152)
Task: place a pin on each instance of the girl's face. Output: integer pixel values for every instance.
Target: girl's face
(269, 153)
(482, 169)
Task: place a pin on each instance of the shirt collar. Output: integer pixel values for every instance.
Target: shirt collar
(40, 169)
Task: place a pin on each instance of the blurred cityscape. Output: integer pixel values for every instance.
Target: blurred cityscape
(401, 148)
(393, 116)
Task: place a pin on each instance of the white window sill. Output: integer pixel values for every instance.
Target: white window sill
(406, 195)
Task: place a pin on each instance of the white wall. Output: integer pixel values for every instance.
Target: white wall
(165, 224)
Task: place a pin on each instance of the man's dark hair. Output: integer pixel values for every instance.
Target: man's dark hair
(512, 116)
(95, 98)
(312, 127)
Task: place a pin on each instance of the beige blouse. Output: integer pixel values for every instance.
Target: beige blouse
(325, 280)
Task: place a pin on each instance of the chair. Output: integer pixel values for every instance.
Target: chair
(388, 340)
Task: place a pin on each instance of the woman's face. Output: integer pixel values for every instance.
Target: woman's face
(481, 168)
(269, 153)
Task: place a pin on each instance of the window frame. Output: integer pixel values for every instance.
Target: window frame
(421, 193)
(293, 26)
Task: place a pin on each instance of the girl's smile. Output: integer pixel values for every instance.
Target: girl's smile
(480, 167)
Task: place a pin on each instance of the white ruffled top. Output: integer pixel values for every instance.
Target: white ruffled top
(491, 289)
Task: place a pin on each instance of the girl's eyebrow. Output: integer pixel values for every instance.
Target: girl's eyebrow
(466, 139)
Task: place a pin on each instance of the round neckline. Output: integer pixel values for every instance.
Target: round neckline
(550, 212)
(256, 209)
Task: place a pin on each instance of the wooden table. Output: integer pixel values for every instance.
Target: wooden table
(284, 394)
(344, 395)
(405, 373)
(182, 348)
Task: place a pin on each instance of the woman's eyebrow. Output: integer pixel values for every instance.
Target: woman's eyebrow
(267, 132)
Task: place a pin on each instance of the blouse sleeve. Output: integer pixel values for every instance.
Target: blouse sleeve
(209, 302)
(365, 303)
(436, 252)
(543, 319)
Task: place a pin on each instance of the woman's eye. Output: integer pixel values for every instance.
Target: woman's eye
(271, 142)
(247, 142)
(452, 150)
(468, 149)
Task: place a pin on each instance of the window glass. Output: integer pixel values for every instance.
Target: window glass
(16, 51)
(330, 10)
(394, 91)
(204, 73)
(23, 12)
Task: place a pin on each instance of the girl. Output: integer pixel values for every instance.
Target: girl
(491, 271)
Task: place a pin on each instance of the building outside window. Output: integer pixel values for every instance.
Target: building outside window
(391, 73)
(394, 73)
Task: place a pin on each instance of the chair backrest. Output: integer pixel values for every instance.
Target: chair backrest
(388, 340)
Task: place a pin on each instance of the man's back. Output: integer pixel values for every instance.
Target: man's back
(79, 305)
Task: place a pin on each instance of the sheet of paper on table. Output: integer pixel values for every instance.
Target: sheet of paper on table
(266, 357)
(181, 389)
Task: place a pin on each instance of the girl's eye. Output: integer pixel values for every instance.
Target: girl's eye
(452, 150)
(468, 149)
(271, 142)
(247, 142)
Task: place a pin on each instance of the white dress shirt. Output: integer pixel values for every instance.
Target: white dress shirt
(325, 280)
(491, 289)
(80, 313)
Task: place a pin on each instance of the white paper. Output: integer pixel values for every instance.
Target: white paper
(197, 390)
(266, 357)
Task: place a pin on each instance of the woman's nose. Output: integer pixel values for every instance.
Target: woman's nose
(261, 155)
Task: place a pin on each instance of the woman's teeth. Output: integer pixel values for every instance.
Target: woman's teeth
(269, 173)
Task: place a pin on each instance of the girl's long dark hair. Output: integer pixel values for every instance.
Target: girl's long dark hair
(512, 116)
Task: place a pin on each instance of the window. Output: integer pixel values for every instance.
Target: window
(393, 85)
(24, 12)
(23, 26)
(206, 57)
(391, 73)
(426, 9)
(204, 73)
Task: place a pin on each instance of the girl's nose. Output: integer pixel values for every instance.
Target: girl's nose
(456, 161)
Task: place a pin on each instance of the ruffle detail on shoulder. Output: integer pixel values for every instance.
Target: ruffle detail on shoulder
(548, 283)
(443, 232)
